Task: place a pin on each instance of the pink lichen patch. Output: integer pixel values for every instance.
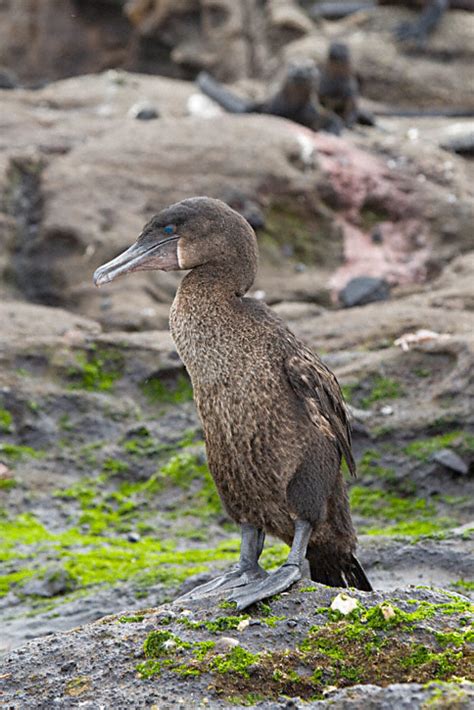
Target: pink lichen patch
(396, 258)
(379, 214)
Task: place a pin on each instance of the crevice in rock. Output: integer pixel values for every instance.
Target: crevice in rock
(23, 201)
(31, 267)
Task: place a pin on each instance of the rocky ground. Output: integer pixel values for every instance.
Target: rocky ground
(309, 644)
(106, 502)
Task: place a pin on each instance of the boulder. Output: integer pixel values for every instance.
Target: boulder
(295, 647)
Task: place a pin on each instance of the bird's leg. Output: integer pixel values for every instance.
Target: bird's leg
(291, 571)
(245, 572)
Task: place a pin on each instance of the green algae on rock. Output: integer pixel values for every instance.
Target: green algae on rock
(6, 421)
(158, 389)
(402, 638)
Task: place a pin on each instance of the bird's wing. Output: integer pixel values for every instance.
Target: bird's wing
(319, 391)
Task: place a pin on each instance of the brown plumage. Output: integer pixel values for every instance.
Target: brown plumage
(273, 416)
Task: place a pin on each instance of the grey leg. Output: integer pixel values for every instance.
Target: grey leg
(291, 571)
(245, 572)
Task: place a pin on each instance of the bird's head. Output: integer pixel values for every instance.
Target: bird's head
(192, 233)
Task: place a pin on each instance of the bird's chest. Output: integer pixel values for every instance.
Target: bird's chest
(209, 354)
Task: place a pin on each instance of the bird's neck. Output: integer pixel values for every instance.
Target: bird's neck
(203, 296)
(203, 318)
(221, 281)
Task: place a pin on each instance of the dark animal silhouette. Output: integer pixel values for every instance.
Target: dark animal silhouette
(338, 87)
(295, 100)
(339, 93)
(273, 416)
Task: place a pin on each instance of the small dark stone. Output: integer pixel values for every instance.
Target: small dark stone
(450, 459)
(364, 289)
(54, 582)
(133, 537)
(7, 79)
(144, 112)
(377, 236)
(292, 623)
(69, 666)
(246, 206)
(253, 668)
(462, 143)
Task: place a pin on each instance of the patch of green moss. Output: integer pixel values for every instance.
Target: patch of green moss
(143, 444)
(309, 232)
(274, 556)
(463, 585)
(443, 663)
(96, 371)
(235, 661)
(6, 421)
(202, 648)
(423, 449)
(159, 390)
(182, 470)
(224, 623)
(161, 643)
(455, 638)
(444, 695)
(373, 645)
(348, 390)
(7, 483)
(369, 465)
(227, 605)
(151, 668)
(13, 452)
(161, 648)
(14, 579)
(382, 388)
(131, 619)
(408, 516)
(92, 559)
(64, 423)
(272, 620)
(114, 466)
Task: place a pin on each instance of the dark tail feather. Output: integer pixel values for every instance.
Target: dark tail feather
(217, 92)
(356, 576)
(334, 571)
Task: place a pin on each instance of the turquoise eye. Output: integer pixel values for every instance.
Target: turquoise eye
(169, 229)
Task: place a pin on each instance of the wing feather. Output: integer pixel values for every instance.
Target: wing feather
(317, 388)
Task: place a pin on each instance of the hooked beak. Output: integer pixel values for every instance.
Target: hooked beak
(140, 257)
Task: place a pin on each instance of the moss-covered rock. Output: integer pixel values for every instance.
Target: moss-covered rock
(416, 639)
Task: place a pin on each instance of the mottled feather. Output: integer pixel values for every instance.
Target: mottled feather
(319, 390)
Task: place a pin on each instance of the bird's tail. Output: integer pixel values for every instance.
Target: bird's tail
(327, 567)
(222, 96)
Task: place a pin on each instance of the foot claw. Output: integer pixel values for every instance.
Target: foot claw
(230, 580)
(275, 583)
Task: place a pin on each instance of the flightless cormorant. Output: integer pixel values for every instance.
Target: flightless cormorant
(273, 415)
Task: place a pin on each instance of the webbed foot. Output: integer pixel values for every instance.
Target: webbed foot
(273, 584)
(234, 579)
